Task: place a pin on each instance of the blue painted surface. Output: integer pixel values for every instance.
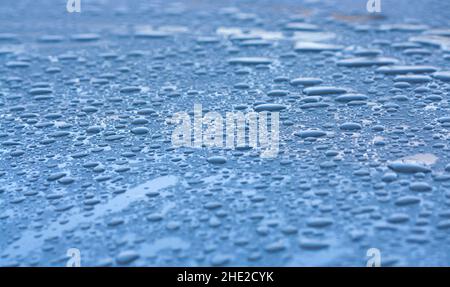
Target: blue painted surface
(86, 159)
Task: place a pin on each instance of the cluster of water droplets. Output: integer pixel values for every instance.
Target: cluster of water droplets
(87, 162)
